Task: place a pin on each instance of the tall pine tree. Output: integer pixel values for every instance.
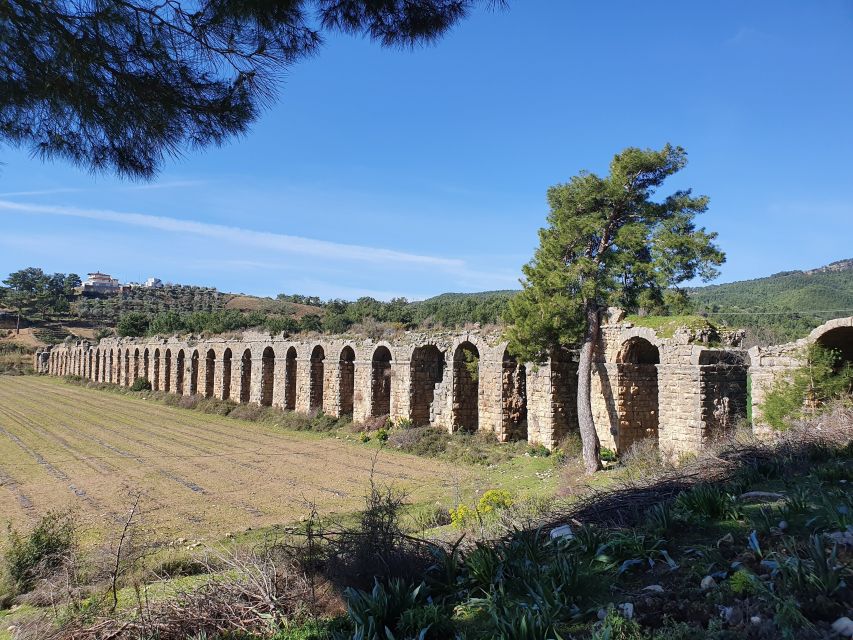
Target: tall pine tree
(607, 243)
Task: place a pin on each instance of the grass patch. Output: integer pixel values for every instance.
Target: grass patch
(666, 326)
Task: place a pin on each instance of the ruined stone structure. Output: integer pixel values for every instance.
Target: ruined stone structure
(769, 363)
(677, 391)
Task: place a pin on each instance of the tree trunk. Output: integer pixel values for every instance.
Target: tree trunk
(18, 325)
(589, 437)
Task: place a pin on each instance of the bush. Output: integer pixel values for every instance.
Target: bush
(133, 324)
(141, 384)
(707, 502)
(216, 406)
(490, 504)
(808, 389)
(421, 441)
(38, 553)
(247, 411)
(322, 422)
(379, 615)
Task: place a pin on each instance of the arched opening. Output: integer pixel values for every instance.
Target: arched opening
(226, 374)
(246, 376)
(466, 387)
(427, 372)
(380, 382)
(91, 366)
(637, 395)
(315, 393)
(127, 369)
(347, 381)
(167, 372)
(110, 365)
(145, 366)
(155, 383)
(194, 373)
(180, 364)
(513, 398)
(839, 340)
(267, 376)
(290, 379)
(209, 372)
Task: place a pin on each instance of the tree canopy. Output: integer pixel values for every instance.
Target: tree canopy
(119, 85)
(608, 243)
(32, 290)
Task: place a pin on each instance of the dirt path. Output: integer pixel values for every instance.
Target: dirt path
(200, 476)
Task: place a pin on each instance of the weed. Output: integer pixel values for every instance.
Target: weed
(659, 518)
(708, 502)
(616, 627)
(743, 583)
(36, 554)
(380, 611)
(141, 384)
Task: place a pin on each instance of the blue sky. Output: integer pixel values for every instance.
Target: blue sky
(386, 172)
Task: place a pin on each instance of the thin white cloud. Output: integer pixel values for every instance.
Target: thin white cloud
(41, 192)
(258, 239)
(174, 184)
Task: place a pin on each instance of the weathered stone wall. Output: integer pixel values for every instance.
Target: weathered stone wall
(675, 391)
(768, 364)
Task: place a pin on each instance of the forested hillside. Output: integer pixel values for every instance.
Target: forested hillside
(781, 307)
(775, 309)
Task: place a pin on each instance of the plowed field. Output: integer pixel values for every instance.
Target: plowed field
(199, 475)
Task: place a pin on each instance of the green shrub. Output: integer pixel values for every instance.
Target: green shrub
(616, 627)
(133, 324)
(141, 384)
(323, 422)
(382, 435)
(707, 502)
(491, 502)
(404, 423)
(376, 614)
(31, 556)
(430, 442)
(538, 450)
(742, 583)
(824, 377)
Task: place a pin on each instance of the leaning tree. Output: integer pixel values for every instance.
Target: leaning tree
(119, 84)
(607, 243)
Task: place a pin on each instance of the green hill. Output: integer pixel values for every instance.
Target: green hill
(781, 307)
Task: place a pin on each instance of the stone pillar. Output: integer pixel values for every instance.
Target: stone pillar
(490, 395)
(401, 385)
(303, 382)
(279, 381)
(680, 418)
(362, 391)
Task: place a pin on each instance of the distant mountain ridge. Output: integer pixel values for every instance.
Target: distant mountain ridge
(783, 306)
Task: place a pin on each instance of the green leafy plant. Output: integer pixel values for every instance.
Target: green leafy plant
(32, 555)
(708, 502)
(824, 377)
(377, 615)
(141, 384)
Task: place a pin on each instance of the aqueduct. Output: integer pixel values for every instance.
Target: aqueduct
(677, 391)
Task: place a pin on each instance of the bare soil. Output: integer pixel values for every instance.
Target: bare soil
(200, 476)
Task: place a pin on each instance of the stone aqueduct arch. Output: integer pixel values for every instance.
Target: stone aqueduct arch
(672, 391)
(767, 364)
